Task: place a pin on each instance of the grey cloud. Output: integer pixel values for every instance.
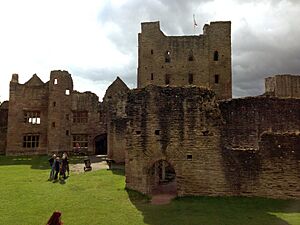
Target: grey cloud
(256, 53)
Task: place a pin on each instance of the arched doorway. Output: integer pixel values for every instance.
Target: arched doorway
(162, 178)
(101, 144)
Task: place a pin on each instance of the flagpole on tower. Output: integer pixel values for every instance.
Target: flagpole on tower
(195, 23)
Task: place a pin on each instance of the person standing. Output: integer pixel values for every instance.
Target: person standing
(57, 167)
(52, 162)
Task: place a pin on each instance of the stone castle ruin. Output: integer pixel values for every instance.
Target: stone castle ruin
(179, 130)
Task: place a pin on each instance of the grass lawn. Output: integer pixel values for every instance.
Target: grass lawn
(99, 197)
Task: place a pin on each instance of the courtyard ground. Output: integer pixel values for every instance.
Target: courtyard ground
(100, 197)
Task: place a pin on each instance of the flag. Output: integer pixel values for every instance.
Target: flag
(195, 23)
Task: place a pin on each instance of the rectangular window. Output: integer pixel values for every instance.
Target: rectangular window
(80, 141)
(191, 78)
(31, 141)
(216, 79)
(167, 79)
(33, 117)
(151, 76)
(80, 117)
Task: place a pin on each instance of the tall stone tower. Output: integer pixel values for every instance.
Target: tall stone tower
(59, 111)
(202, 60)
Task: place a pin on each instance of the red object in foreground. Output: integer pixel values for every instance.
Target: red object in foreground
(55, 219)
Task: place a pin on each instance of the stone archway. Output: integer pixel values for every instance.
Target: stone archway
(100, 143)
(162, 178)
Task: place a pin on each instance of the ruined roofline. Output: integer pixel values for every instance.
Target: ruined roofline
(283, 75)
(156, 25)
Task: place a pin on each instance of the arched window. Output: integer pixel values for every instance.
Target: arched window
(168, 57)
(216, 56)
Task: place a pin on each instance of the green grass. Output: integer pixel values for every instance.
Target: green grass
(99, 197)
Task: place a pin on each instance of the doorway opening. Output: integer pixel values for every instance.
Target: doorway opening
(101, 144)
(162, 178)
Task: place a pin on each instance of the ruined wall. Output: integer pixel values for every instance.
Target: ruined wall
(190, 59)
(3, 126)
(96, 125)
(247, 118)
(283, 86)
(32, 97)
(115, 102)
(181, 126)
(260, 141)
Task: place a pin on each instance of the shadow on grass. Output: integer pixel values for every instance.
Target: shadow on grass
(36, 162)
(215, 210)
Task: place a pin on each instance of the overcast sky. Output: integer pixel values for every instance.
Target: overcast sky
(96, 40)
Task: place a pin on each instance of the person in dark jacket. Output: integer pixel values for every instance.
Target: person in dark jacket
(56, 167)
(52, 162)
(55, 219)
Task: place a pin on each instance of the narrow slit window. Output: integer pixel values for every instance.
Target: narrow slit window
(216, 56)
(55, 81)
(168, 57)
(167, 79)
(151, 76)
(217, 79)
(53, 124)
(191, 78)
(151, 51)
(54, 104)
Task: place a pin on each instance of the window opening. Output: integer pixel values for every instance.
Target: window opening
(54, 104)
(53, 124)
(31, 141)
(157, 132)
(55, 81)
(80, 141)
(67, 92)
(80, 117)
(167, 79)
(32, 117)
(191, 78)
(216, 79)
(138, 132)
(189, 156)
(151, 76)
(168, 57)
(151, 51)
(67, 132)
(216, 56)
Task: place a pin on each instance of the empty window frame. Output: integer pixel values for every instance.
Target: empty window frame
(31, 141)
(33, 117)
(80, 141)
(55, 81)
(67, 92)
(167, 79)
(216, 56)
(80, 116)
(168, 57)
(191, 78)
(217, 78)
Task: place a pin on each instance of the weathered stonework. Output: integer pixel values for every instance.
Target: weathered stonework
(283, 86)
(201, 60)
(3, 126)
(51, 117)
(178, 128)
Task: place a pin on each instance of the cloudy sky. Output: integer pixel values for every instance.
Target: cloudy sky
(96, 40)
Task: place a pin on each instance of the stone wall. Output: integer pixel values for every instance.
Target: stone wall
(31, 96)
(283, 86)
(181, 126)
(190, 59)
(247, 118)
(115, 102)
(3, 126)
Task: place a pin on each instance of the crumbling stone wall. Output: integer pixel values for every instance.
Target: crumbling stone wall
(115, 102)
(283, 86)
(3, 126)
(179, 125)
(57, 103)
(247, 118)
(202, 60)
(31, 96)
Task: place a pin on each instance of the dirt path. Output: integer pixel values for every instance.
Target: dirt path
(96, 163)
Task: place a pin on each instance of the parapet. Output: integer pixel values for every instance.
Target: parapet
(15, 78)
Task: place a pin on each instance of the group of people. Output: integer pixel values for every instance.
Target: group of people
(59, 167)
